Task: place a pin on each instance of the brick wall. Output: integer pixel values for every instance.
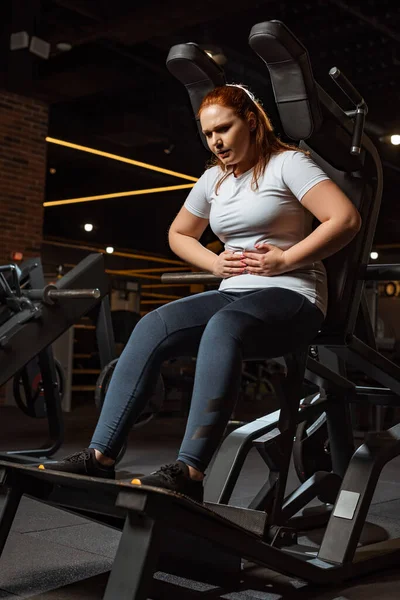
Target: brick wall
(23, 128)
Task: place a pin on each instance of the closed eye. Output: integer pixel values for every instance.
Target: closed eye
(222, 129)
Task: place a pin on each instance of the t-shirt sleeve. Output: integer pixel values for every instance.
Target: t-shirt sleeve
(198, 202)
(300, 173)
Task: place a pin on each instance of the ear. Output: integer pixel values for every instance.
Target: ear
(252, 122)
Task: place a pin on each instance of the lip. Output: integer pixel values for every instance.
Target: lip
(220, 153)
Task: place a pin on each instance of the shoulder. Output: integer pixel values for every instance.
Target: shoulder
(210, 176)
(213, 173)
(295, 158)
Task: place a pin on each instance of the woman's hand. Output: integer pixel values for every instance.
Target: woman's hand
(227, 264)
(269, 260)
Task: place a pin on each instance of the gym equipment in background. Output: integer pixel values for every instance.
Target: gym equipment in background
(32, 316)
(28, 388)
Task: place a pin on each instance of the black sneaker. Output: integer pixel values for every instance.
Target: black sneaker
(81, 463)
(174, 477)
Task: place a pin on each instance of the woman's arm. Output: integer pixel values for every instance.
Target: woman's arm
(339, 223)
(184, 235)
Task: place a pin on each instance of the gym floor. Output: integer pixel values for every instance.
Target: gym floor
(55, 555)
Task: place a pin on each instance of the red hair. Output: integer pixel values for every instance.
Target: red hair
(244, 105)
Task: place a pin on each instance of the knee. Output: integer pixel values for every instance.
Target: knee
(150, 326)
(223, 324)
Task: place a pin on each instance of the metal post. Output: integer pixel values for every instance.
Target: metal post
(136, 559)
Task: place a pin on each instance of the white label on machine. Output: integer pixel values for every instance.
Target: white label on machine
(346, 505)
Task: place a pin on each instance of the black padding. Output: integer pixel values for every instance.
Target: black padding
(198, 73)
(291, 77)
(343, 266)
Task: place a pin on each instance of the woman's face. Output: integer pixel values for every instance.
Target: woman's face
(228, 136)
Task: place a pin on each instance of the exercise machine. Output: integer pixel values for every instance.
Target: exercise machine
(210, 541)
(32, 316)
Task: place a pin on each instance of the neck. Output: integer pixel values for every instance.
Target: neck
(245, 165)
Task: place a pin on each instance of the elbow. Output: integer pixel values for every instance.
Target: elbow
(171, 237)
(355, 222)
(352, 223)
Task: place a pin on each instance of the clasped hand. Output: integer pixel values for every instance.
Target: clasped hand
(267, 260)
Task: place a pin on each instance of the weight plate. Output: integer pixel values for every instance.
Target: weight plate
(28, 388)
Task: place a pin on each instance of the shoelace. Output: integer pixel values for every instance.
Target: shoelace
(78, 456)
(170, 472)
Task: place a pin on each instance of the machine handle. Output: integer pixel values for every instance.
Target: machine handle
(382, 272)
(199, 277)
(358, 131)
(346, 87)
(50, 294)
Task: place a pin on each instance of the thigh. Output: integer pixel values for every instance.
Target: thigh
(271, 322)
(176, 328)
(192, 311)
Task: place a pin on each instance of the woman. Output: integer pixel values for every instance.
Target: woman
(260, 197)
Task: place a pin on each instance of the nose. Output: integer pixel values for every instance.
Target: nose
(216, 140)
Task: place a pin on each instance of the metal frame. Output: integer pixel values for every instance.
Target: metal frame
(31, 332)
(149, 518)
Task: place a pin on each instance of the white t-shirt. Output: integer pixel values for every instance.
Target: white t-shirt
(241, 218)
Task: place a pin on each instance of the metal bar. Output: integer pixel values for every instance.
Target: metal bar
(290, 402)
(136, 559)
(104, 333)
(8, 512)
(340, 431)
(199, 277)
(229, 461)
(382, 272)
(371, 362)
(53, 404)
(348, 517)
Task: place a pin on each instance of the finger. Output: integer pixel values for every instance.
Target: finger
(252, 262)
(233, 256)
(234, 270)
(255, 269)
(237, 263)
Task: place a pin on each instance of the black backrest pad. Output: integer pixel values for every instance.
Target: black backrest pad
(291, 77)
(360, 178)
(342, 268)
(198, 73)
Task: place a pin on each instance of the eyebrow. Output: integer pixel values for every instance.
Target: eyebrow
(220, 126)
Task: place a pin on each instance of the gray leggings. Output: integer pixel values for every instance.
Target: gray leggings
(222, 329)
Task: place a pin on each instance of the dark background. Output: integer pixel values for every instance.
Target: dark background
(112, 92)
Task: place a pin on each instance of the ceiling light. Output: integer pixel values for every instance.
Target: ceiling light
(374, 255)
(391, 289)
(88, 227)
(64, 46)
(170, 188)
(395, 139)
(123, 159)
(52, 171)
(109, 249)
